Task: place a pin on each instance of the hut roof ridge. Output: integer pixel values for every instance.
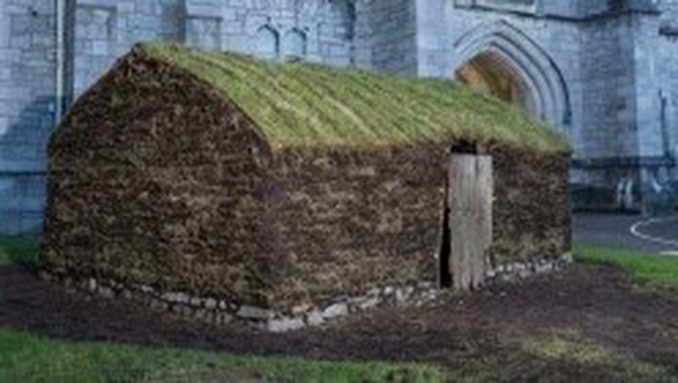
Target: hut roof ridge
(297, 104)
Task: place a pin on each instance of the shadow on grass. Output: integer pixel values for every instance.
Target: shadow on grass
(569, 347)
(22, 251)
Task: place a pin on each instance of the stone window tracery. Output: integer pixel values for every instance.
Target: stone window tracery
(267, 43)
(530, 6)
(294, 44)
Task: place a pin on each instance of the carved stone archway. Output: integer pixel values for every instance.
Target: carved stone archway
(499, 52)
(491, 74)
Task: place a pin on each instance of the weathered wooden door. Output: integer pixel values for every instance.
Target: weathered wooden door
(470, 218)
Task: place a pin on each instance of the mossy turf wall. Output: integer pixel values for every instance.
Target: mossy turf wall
(354, 220)
(153, 180)
(156, 178)
(531, 209)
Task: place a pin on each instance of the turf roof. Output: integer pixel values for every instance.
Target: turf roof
(301, 104)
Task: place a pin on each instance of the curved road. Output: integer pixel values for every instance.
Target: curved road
(634, 232)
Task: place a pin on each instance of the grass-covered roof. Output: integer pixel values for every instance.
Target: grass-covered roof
(301, 104)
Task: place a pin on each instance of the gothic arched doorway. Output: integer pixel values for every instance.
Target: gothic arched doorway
(502, 60)
(490, 74)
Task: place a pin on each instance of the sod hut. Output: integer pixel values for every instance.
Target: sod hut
(272, 185)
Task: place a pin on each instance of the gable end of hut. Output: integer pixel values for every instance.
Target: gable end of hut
(155, 179)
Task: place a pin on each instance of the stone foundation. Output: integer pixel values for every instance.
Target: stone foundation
(220, 312)
(520, 270)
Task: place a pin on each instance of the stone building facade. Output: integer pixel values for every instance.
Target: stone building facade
(605, 72)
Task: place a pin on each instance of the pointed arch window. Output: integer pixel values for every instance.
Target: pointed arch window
(267, 43)
(294, 44)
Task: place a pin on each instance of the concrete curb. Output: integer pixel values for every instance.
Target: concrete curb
(636, 231)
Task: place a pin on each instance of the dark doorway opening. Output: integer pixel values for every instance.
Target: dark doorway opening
(445, 277)
(463, 147)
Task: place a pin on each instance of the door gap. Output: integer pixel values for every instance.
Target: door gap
(445, 276)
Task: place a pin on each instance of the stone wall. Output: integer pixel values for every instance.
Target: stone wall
(223, 312)
(392, 36)
(27, 104)
(317, 31)
(592, 7)
(669, 10)
(103, 30)
(627, 141)
(608, 87)
(667, 62)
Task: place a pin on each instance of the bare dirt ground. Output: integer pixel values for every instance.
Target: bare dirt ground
(587, 323)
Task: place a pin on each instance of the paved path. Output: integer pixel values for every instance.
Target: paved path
(635, 232)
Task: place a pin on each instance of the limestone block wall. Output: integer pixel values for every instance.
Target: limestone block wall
(626, 71)
(648, 82)
(318, 31)
(392, 37)
(608, 87)
(592, 7)
(27, 103)
(667, 62)
(562, 8)
(370, 34)
(669, 10)
(102, 30)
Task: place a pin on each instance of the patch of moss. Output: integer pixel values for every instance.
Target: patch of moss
(570, 347)
(19, 250)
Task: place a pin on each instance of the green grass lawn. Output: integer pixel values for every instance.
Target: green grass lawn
(30, 358)
(659, 271)
(18, 250)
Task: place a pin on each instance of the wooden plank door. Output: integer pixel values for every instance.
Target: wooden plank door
(470, 197)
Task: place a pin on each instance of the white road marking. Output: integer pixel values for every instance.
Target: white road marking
(635, 230)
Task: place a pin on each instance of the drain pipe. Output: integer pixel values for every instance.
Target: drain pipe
(624, 196)
(628, 193)
(60, 59)
(666, 141)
